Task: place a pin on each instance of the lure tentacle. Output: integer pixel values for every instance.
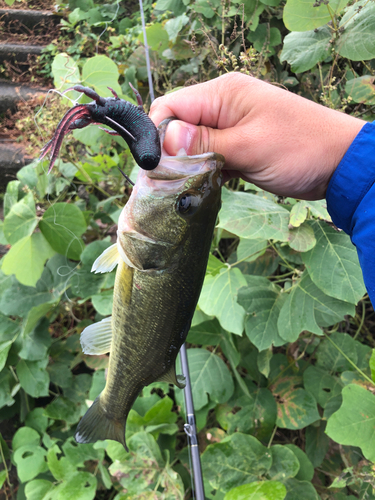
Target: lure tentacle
(127, 120)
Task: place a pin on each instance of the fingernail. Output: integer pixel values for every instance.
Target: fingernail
(179, 136)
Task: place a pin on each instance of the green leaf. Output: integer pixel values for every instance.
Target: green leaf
(60, 469)
(214, 265)
(65, 72)
(264, 37)
(317, 443)
(333, 264)
(103, 303)
(100, 72)
(210, 378)
(302, 50)
(362, 89)
(38, 489)
(301, 15)
(36, 343)
(353, 424)
(23, 436)
(26, 259)
(306, 468)
(308, 308)
(175, 25)
(219, 298)
(34, 315)
(80, 486)
(258, 490)
(157, 37)
(250, 250)
(298, 214)
(372, 364)
(357, 41)
(321, 385)
(30, 462)
(300, 489)
(11, 195)
(255, 414)
(7, 384)
(262, 302)
(33, 377)
(251, 216)
(18, 300)
(284, 463)
(330, 358)
(36, 420)
(78, 455)
(62, 225)
(4, 350)
(302, 238)
(63, 409)
(296, 408)
(237, 459)
(21, 220)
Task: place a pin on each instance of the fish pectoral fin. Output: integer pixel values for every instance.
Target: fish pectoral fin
(97, 338)
(171, 378)
(107, 261)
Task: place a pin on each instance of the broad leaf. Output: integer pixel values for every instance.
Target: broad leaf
(362, 89)
(262, 302)
(304, 49)
(298, 213)
(33, 377)
(308, 308)
(100, 72)
(219, 298)
(65, 72)
(26, 259)
(18, 300)
(30, 461)
(333, 264)
(80, 486)
(317, 443)
(357, 41)
(21, 220)
(210, 378)
(284, 463)
(253, 217)
(300, 489)
(157, 37)
(258, 490)
(250, 250)
(331, 359)
(321, 385)
(236, 460)
(306, 468)
(62, 225)
(38, 489)
(296, 408)
(302, 238)
(353, 424)
(303, 15)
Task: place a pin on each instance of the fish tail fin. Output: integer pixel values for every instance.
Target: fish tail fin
(96, 425)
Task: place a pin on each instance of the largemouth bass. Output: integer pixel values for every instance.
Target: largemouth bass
(164, 236)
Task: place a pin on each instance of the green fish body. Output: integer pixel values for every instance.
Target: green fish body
(164, 237)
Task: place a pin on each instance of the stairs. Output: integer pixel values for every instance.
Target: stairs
(24, 34)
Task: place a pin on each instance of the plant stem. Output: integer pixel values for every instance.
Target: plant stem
(272, 436)
(362, 321)
(6, 469)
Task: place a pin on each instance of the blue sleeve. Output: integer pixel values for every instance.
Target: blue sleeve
(351, 200)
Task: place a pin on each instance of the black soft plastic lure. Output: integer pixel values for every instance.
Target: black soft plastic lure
(126, 120)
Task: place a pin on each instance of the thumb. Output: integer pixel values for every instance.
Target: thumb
(193, 139)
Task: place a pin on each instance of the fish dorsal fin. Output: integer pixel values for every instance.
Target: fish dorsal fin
(106, 261)
(171, 378)
(97, 338)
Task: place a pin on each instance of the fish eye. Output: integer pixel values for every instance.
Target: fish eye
(184, 204)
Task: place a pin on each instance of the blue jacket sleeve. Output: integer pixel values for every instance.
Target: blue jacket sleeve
(351, 200)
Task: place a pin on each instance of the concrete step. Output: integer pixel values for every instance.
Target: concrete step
(12, 159)
(29, 18)
(11, 93)
(18, 53)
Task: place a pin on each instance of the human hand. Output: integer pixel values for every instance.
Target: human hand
(278, 140)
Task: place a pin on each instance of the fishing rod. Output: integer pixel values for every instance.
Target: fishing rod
(190, 426)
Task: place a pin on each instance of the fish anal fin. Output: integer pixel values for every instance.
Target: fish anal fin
(171, 378)
(106, 261)
(96, 425)
(97, 338)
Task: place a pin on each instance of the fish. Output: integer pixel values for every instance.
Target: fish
(164, 236)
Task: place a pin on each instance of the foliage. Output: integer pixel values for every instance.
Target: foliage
(281, 356)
